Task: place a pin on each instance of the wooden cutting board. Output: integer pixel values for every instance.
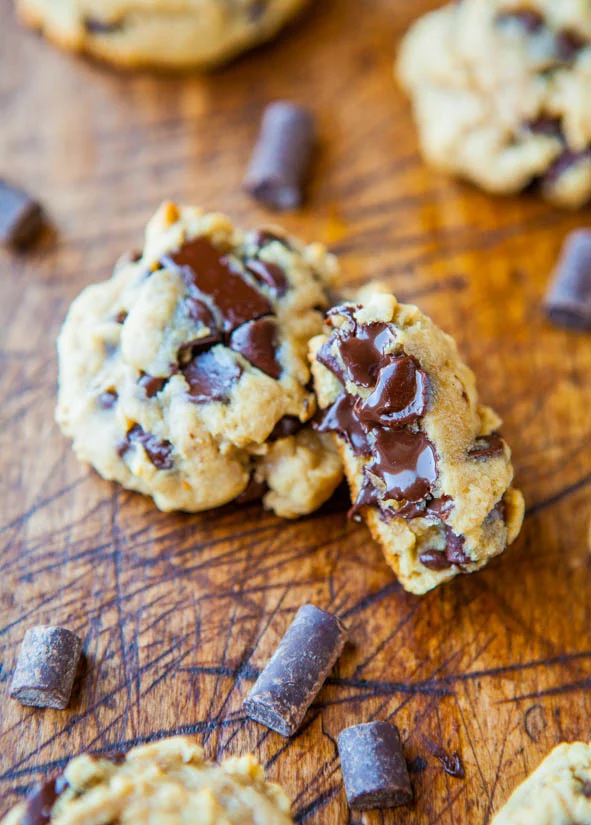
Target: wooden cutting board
(180, 612)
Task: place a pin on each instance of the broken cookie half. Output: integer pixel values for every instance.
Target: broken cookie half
(427, 467)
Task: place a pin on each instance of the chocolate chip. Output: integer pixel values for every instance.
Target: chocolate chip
(46, 667)
(286, 426)
(270, 275)
(563, 164)
(489, 446)
(199, 311)
(400, 395)
(568, 301)
(209, 272)
(568, 45)
(548, 126)
(95, 26)
(186, 352)
(374, 768)
(340, 418)
(121, 317)
(454, 548)
(531, 21)
(151, 384)
(363, 352)
(21, 217)
(451, 763)
(257, 341)
(405, 461)
(281, 156)
(297, 670)
(40, 801)
(434, 560)
(211, 376)
(254, 491)
(159, 452)
(107, 399)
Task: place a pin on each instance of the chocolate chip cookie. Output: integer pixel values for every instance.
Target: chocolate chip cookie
(426, 464)
(168, 781)
(501, 90)
(185, 375)
(159, 33)
(557, 793)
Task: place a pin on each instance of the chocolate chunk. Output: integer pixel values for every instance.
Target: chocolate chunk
(40, 801)
(121, 317)
(489, 446)
(563, 164)
(257, 341)
(548, 126)
(254, 491)
(281, 156)
(405, 461)
(286, 426)
(568, 45)
(263, 237)
(400, 396)
(586, 789)
(21, 217)
(209, 272)
(270, 275)
(199, 311)
(374, 768)
(46, 667)
(186, 352)
(454, 548)
(341, 418)
(531, 21)
(451, 763)
(568, 301)
(211, 376)
(297, 670)
(95, 26)
(368, 496)
(159, 452)
(107, 399)
(434, 560)
(362, 351)
(151, 384)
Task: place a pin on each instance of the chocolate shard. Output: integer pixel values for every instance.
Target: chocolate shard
(297, 670)
(40, 801)
(258, 341)
(21, 217)
(568, 300)
(46, 667)
(276, 173)
(374, 767)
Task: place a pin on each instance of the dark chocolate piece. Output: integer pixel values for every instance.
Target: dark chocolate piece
(21, 217)
(257, 341)
(297, 670)
(159, 452)
(374, 767)
(362, 350)
(46, 667)
(40, 801)
(406, 462)
(263, 237)
(530, 20)
(549, 126)
(288, 425)
(435, 560)
(270, 275)
(209, 272)
(211, 376)
(121, 317)
(400, 395)
(568, 45)
(568, 301)
(454, 548)
(450, 762)
(340, 418)
(563, 163)
(281, 156)
(95, 26)
(199, 311)
(489, 446)
(107, 399)
(254, 491)
(151, 384)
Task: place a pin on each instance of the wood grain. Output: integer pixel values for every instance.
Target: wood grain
(179, 613)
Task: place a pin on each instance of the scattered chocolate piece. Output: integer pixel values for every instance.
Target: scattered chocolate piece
(374, 767)
(40, 801)
(159, 452)
(451, 763)
(297, 670)
(107, 399)
(568, 301)
(281, 156)
(46, 667)
(151, 384)
(257, 341)
(21, 217)
(211, 376)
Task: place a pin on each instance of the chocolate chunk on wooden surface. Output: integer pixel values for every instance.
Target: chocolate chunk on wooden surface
(374, 767)
(21, 217)
(568, 301)
(46, 667)
(281, 156)
(297, 670)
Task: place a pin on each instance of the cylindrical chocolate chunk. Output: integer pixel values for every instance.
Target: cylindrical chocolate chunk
(374, 768)
(288, 685)
(568, 302)
(281, 156)
(46, 667)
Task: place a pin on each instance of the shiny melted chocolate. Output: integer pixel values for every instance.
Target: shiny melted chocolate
(362, 350)
(341, 418)
(405, 461)
(399, 397)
